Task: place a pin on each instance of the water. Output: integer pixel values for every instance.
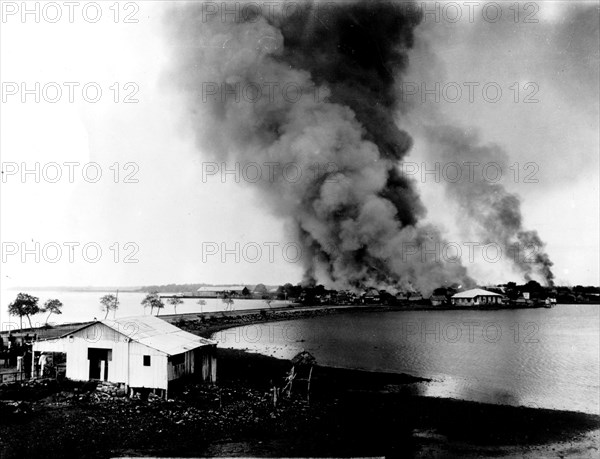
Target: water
(533, 357)
(85, 306)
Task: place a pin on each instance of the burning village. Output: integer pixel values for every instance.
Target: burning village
(379, 221)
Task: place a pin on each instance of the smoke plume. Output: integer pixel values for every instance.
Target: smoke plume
(494, 214)
(355, 215)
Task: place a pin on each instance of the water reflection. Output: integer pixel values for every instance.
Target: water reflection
(536, 357)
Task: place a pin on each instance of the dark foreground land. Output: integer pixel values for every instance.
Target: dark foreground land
(351, 413)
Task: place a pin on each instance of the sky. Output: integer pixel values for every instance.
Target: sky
(154, 215)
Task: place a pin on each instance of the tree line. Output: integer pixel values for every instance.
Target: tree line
(26, 306)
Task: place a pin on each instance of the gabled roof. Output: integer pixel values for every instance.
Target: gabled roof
(152, 332)
(475, 292)
(157, 334)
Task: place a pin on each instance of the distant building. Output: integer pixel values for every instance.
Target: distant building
(233, 290)
(437, 300)
(476, 297)
(523, 302)
(138, 352)
(371, 295)
(207, 292)
(218, 291)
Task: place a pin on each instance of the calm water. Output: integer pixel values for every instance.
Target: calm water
(84, 306)
(534, 357)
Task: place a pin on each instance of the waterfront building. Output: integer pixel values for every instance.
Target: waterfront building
(476, 297)
(222, 291)
(136, 352)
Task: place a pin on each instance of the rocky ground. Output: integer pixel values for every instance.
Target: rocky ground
(351, 413)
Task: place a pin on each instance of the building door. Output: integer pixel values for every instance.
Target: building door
(99, 359)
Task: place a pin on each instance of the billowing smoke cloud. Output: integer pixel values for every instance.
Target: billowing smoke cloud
(487, 212)
(493, 214)
(356, 216)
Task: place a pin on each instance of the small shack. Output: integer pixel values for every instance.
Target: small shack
(476, 297)
(138, 352)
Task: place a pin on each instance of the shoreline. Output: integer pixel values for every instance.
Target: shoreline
(490, 430)
(351, 413)
(207, 323)
(290, 312)
(226, 323)
(433, 426)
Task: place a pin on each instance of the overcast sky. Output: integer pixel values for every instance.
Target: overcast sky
(157, 229)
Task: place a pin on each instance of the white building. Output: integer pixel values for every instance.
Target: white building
(207, 292)
(138, 352)
(218, 291)
(476, 297)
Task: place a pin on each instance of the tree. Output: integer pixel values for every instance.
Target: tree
(261, 289)
(152, 300)
(228, 303)
(52, 307)
(24, 305)
(174, 301)
(533, 286)
(109, 303)
(201, 303)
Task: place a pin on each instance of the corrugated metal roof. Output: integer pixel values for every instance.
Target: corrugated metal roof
(475, 292)
(157, 334)
(51, 332)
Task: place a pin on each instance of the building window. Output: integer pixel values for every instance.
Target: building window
(146, 360)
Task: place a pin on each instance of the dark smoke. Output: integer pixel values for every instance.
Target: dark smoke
(494, 214)
(356, 220)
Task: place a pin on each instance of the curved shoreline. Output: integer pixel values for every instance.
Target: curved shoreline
(209, 329)
(351, 413)
(207, 324)
(436, 422)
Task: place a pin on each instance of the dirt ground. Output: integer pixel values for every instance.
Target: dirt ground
(351, 413)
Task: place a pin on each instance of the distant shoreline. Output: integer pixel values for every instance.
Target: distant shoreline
(75, 289)
(351, 411)
(207, 323)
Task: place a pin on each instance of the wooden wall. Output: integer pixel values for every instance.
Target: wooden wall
(127, 363)
(126, 366)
